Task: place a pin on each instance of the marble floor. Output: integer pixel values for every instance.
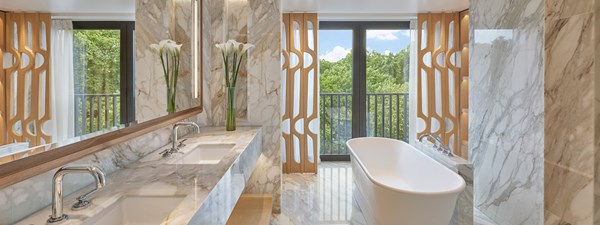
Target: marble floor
(322, 198)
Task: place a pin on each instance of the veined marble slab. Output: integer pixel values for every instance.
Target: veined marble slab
(211, 190)
(506, 122)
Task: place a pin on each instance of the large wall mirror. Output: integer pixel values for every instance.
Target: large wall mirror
(74, 70)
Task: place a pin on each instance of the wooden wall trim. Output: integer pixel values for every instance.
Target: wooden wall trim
(2, 82)
(16, 171)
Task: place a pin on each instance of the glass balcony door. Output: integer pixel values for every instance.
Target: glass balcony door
(363, 83)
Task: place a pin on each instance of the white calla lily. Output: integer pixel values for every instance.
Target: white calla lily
(155, 47)
(168, 51)
(245, 47)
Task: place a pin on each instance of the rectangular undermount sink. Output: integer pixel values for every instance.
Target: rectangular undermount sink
(204, 154)
(137, 210)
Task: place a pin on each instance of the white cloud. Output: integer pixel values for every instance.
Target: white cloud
(387, 52)
(386, 35)
(336, 54)
(405, 33)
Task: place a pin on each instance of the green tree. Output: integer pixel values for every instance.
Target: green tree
(96, 65)
(387, 88)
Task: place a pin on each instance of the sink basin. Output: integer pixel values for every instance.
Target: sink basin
(204, 154)
(134, 210)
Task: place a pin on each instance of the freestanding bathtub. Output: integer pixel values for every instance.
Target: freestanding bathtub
(396, 184)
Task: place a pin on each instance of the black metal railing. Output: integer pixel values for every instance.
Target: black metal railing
(95, 112)
(386, 116)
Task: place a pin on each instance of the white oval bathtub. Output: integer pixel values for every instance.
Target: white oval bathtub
(397, 184)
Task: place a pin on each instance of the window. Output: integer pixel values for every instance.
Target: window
(364, 74)
(103, 63)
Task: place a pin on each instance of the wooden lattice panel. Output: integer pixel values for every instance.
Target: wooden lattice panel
(439, 76)
(2, 83)
(26, 81)
(300, 74)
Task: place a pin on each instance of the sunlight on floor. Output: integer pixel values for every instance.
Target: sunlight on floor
(324, 198)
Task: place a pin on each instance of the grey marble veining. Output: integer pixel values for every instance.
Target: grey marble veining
(260, 26)
(264, 99)
(158, 20)
(322, 198)
(24, 198)
(571, 117)
(211, 190)
(506, 120)
(481, 219)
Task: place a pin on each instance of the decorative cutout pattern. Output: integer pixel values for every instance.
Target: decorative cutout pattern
(25, 79)
(300, 84)
(440, 77)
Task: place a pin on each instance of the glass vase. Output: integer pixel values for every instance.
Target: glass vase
(170, 102)
(230, 124)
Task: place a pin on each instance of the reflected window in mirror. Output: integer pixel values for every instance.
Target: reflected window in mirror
(103, 75)
(63, 81)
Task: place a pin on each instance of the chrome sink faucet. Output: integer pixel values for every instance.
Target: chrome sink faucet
(57, 191)
(438, 144)
(174, 147)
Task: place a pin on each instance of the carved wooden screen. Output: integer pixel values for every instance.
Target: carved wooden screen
(25, 78)
(2, 82)
(439, 78)
(300, 83)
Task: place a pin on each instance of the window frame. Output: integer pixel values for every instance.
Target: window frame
(359, 70)
(127, 62)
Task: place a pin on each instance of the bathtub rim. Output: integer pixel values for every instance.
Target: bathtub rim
(456, 190)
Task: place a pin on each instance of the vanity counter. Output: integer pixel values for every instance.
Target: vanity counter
(209, 191)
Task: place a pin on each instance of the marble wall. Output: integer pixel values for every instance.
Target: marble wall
(258, 93)
(158, 20)
(570, 111)
(506, 117)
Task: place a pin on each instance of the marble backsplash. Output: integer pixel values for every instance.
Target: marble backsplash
(158, 20)
(24, 198)
(506, 124)
(258, 22)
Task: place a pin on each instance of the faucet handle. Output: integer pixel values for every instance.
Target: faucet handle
(181, 143)
(81, 203)
(166, 153)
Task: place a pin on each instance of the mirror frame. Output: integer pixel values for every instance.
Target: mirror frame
(23, 169)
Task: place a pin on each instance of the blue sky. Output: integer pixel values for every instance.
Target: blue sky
(335, 44)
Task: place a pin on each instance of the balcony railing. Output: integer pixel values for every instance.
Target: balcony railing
(95, 112)
(386, 116)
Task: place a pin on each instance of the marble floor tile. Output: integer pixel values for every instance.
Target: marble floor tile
(322, 198)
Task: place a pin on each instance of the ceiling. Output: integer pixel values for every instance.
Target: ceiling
(331, 8)
(72, 7)
(407, 8)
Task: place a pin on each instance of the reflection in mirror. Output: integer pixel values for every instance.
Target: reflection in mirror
(69, 75)
(64, 81)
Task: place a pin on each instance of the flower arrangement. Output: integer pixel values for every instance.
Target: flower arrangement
(169, 52)
(233, 54)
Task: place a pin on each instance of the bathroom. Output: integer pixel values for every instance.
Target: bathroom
(125, 112)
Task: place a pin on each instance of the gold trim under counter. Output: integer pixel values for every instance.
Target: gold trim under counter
(210, 191)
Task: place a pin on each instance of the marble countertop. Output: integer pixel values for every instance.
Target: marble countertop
(151, 176)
